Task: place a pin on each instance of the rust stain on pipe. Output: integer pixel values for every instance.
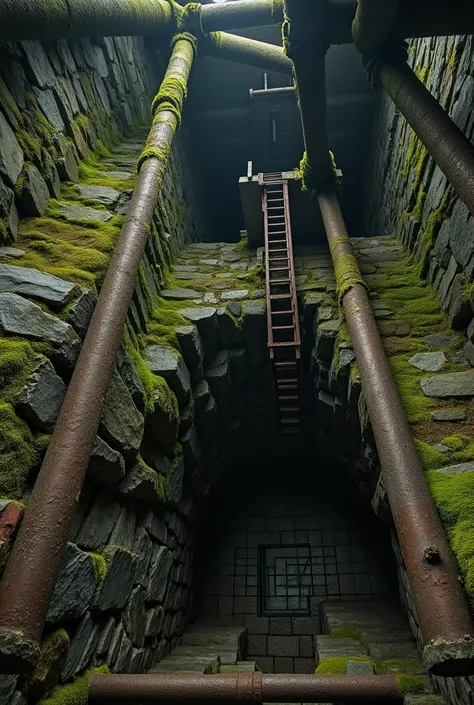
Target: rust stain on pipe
(445, 142)
(31, 572)
(244, 688)
(441, 606)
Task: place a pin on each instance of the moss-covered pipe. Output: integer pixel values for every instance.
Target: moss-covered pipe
(248, 51)
(240, 14)
(305, 41)
(441, 606)
(58, 19)
(31, 572)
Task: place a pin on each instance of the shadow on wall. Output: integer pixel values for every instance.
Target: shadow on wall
(279, 542)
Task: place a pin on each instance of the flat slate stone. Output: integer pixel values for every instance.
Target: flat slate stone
(116, 587)
(120, 174)
(35, 284)
(84, 213)
(458, 469)
(11, 155)
(184, 268)
(40, 400)
(161, 562)
(82, 646)
(455, 384)
(438, 340)
(121, 423)
(75, 586)
(11, 252)
(204, 317)
(98, 525)
(106, 465)
(103, 194)
(80, 313)
(169, 364)
(234, 295)
(429, 362)
(24, 318)
(179, 294)
(33, 193)
(448, 416)
(140, 484)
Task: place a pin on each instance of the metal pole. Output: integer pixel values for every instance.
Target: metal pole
(245, 688)
(283, 90)
(445, 142)
(42, 19)
(307, 47)
(443, 614)
(32, 569)
(249, 51)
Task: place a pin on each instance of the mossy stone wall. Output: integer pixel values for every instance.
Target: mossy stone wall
(408, 195)
(73, 120)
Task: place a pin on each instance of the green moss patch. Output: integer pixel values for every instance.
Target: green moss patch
(336, 665)
(75, 693)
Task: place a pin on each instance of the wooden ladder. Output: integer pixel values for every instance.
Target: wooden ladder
(282, 307)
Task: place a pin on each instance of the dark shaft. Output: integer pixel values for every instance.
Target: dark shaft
(445, 142)
(244, 688)
(439, 599)
(32, 569)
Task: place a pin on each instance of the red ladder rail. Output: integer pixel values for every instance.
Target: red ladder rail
(284, 341)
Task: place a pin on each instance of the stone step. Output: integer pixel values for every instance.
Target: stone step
(240, 667)
(388, 652)
(187, 663)
(412, 666)
(331, 647)
(226, 657)
(379, 634)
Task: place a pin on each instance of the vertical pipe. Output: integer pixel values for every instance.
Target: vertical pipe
(445, 142)
(307, 47)
(32, 569)
(441, 607)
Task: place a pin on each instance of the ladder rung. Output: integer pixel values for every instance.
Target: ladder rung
(290, 421)
(280, 296)
(290, 381)
(290, 409)
(281, 313)
(282, 327)
(291, 397)
(279, 281)
(275, 242)
(286, 363)
(279, 269)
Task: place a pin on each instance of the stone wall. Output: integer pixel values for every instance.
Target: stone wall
(409, 195)
(124, 593)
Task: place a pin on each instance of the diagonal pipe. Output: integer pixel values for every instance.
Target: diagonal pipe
(443, 139)
(248, 51)
(243, 688)
(444, 616)
(31, 572)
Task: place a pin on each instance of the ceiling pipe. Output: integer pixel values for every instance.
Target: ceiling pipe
(441, 607)
(306, 42)
(249, 51)
(244, 688)
(241, 14)
(445, 142)
(43, 19)
(32, 569)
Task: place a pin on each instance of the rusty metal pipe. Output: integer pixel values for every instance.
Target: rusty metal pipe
(443, 614)
(249, 51)
(31, 572)
(445, 142)
(240, 14)
(244, 687)
(42, 19)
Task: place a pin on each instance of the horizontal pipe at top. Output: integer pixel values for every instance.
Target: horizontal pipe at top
(249, 688)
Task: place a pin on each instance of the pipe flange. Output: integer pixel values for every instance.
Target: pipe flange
(450, 658)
